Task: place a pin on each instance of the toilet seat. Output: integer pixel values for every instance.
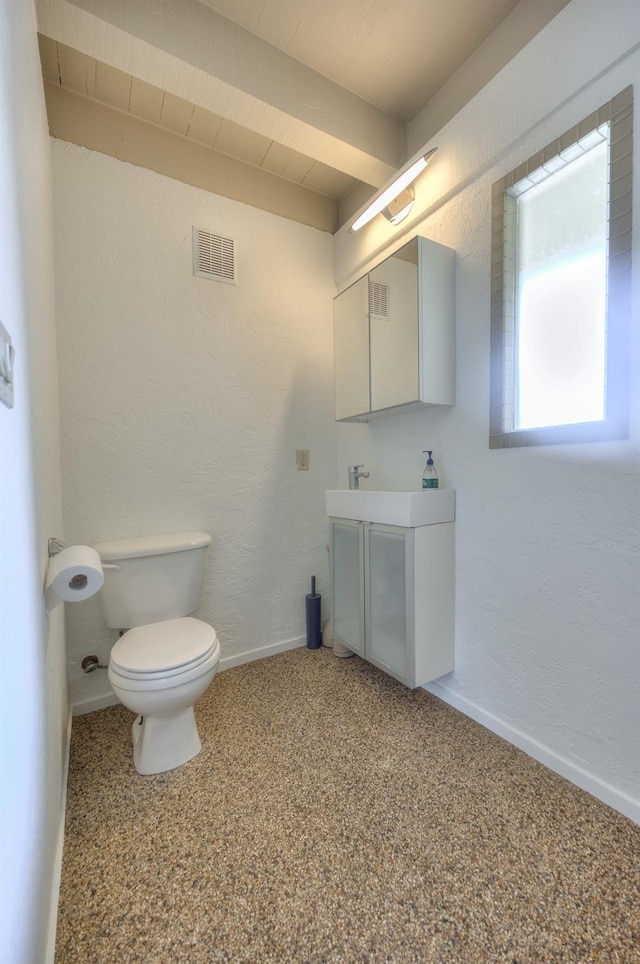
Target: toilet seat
(164, 651)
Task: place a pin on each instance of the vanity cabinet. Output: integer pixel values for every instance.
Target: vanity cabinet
(394, 335)
(392, 592)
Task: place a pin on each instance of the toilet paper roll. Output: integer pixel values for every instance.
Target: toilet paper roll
(75, 574)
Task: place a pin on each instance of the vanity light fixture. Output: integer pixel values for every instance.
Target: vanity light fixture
(395, 201)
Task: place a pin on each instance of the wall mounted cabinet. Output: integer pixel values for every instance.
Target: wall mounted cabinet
(394, 335)
(392, 591)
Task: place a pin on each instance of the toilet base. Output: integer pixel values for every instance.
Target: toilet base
(164, 741)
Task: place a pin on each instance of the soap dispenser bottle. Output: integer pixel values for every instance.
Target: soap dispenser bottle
(429, 476)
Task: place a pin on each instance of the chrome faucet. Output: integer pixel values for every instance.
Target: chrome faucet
(355, 476)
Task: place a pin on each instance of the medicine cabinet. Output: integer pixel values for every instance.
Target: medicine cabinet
(394, 335)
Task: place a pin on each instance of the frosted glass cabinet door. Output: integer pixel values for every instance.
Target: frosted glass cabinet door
(387, 629)
(346, 578)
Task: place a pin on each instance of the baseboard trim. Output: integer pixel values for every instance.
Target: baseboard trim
(250, 655)
(598, 788)
(93, 703)
(56, 877)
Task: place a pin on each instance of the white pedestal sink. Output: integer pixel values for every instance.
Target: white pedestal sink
(408, 509)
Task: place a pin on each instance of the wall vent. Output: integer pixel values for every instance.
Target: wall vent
(214, 257)
(378, 301)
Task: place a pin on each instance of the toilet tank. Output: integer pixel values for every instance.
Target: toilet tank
(151, 578)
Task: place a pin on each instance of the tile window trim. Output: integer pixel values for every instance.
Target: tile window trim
(618, 114)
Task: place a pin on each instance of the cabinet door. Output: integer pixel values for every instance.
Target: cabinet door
(351, 351)
(394, 325)
(388, 553)
(347, 584)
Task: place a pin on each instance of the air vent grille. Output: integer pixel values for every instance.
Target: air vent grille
(379, 300)
(214, 257)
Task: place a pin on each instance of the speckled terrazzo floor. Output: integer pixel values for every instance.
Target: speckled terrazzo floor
(334, 815)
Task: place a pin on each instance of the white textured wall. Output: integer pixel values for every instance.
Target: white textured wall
(547, 539)
(34, 712)
(183, 400)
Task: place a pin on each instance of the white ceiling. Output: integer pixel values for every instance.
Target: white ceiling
(395, 54)
(315, 93)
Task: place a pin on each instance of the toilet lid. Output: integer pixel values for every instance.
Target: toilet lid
(176, 645)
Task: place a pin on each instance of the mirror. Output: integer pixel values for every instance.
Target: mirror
(351, 351)
(393, 319)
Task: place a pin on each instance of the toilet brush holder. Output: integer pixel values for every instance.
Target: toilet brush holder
(313, 601)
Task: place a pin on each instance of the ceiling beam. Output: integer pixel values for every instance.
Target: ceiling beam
(184, 47)
(100, 127)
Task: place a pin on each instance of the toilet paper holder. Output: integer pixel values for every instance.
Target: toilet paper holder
(54, 546)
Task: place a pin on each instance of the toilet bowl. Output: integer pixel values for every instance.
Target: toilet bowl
(166, 659)
(158, 671)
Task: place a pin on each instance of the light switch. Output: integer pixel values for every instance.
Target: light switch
(302, 460)
(7, 353)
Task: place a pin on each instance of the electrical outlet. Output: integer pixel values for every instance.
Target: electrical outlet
(302, 460)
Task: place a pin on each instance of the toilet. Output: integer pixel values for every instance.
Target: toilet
(166, 659)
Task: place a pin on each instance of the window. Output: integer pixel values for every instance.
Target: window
(561, 278)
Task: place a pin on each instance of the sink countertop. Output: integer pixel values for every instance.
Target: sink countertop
(408, 509)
